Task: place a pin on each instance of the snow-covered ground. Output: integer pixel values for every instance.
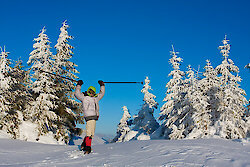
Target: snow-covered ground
(204, 152)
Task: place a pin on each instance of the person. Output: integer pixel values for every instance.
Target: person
(90, 103)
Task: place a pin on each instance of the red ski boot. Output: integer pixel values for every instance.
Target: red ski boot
(88, 145)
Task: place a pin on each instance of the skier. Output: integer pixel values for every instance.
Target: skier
(90, 104)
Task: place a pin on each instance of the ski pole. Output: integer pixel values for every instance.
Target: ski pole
(59, 76)
(77, 81)
(124, 82)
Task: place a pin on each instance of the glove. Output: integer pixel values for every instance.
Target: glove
(80, 82)
(85, 93)
(101, 83)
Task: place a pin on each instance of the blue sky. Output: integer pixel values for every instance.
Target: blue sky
(129, 40)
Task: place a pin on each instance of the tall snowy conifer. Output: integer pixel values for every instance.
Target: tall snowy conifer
(210, 85)
(63, 66)
(232, 107)
(67, 106)
(145, 122)
(20, 89)
(9, 117)
(171, 111)
(123, 127)
(41, 109)
(199, 108)
(190, 100)
(248, 110)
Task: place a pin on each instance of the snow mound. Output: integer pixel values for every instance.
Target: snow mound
(28, 132)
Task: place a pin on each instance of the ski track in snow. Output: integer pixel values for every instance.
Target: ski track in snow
(162, 153)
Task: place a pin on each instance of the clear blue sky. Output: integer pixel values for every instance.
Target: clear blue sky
(126, 40)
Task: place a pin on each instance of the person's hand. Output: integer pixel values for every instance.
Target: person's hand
(80, 82)
(85, 93)
(101, 83)
(97, 118)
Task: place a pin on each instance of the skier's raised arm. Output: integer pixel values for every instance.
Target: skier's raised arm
(78, 94)
(102, 91)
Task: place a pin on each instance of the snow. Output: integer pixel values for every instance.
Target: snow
(28, 131)
(162, 153)
(130, 135)
(143, 137)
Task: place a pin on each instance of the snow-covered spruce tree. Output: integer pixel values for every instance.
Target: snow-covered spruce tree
(145, 123)
(248, 110)
(232, 107)
(171, 111)
(247, 118)
(200, 108)
(67, 105)
(210, 85)
(185, 122)
(43, 87)
(4, 84)
(9, 117)
(149, 98)
(20, 88)
(248, 66)
(123, 127)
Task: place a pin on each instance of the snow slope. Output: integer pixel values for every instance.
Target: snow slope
(205, 152)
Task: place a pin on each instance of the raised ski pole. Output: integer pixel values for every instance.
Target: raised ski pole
(77, 81)
(124, 82)
(59, 76)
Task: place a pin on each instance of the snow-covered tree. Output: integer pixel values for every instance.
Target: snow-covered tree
(62, 65)
(248, 110)
(20, 89)
(41, 109)
(232, 105)
(5, 70)
(173, 107)
(184, 121)
(67, 106)
(149, 98)
(211, 88)
(200, 108)
(123, 127)
(144, 123)
(9, 117)
(41, 61)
